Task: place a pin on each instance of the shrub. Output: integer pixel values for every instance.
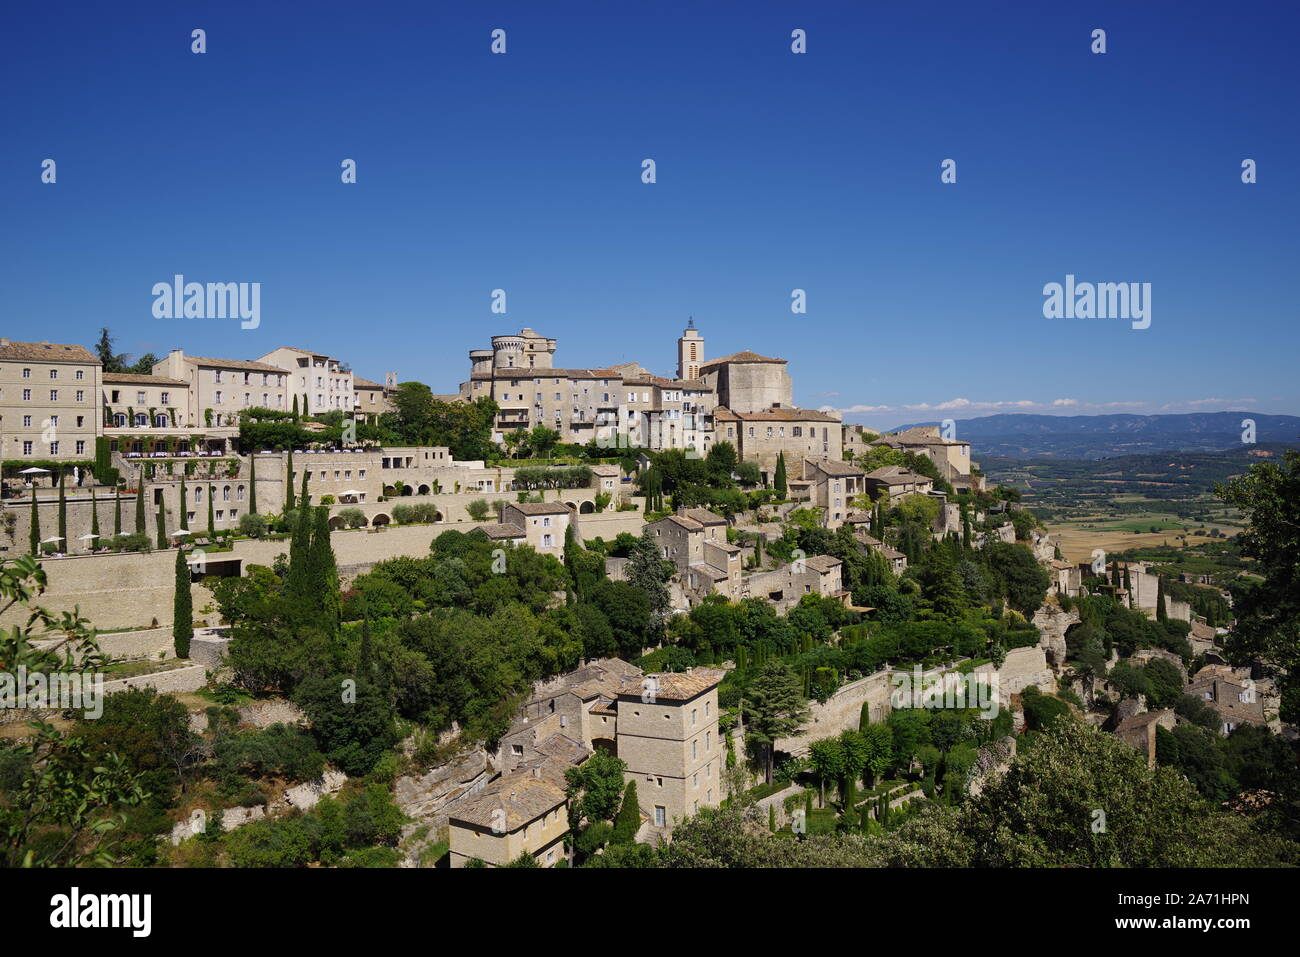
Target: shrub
(353, 517)
(254, 526)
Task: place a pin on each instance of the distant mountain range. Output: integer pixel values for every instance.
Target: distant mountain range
(1016, 436)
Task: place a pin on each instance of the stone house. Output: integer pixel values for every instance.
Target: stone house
(49, 401)
(1229, 692)
(1139, 730)
(896, 482)
(544, 523)
(834, 485)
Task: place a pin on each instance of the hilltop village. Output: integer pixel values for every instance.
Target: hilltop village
(580, 609)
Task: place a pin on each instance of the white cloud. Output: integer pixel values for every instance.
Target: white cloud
(971, 408)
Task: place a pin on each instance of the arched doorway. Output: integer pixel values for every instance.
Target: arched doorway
(586, 508)
(380, 519)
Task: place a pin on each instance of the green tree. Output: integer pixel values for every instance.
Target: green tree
(94, 518)
(117, 512)
(774, 708)
(288, 479)
(645, 572)
(183, 516)
(34, 527)
(182, 608)
(779, 479)
(478, 509)
(161, 527)
(63, 512)
(322, 576)
(595, 789)
(212, 524)
(252, 483)
(139, 504)
(628, 821)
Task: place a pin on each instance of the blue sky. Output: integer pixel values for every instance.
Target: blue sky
(775, 171)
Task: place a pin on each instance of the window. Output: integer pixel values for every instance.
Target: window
(54, 448)
(695, 714)
(81, 395)
(140, 398)
(27, 448)
(166, 398)
(54, 421)
(54, 373)
(80, 375)
(27, 373)
(695, 749)
(27, 421)
(54, 395)
(217, 397)
(661, 815)
(221, 515)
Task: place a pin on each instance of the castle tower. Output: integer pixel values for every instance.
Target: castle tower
(690, 352)
(667, 734)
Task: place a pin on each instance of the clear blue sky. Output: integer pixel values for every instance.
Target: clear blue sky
(775, 171)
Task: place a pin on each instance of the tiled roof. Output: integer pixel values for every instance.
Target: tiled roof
(540, 508)
(790, 414)
(897, 475)
(519, 372)
(704, 568)
(46, 351)
(500, 532)
(510, 802)
(703, 516)
(131, 378)
(834, 468)
(241, 364)
(745, 356)
(823, 563)
(673, 687)
(360, 383)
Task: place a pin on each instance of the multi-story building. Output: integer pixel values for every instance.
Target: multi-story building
(668, 738)
(695, 540)
(49, 401)
(833, 485)
(760, 437)
(519, 813)
(320, 383)
(950, 456)
(372, 399)
(221, 388)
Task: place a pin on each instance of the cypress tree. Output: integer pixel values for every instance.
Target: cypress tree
(63, 513)
(323, 575)
(864, 716)
(758, 551)
(297, 578)
(628, 821)
(34, 532)
(288, 480)
(212, 525)
(94, 519)
(965, 527)
(864, 818)
(295, 412)
(185, 503)
(304, 500)
(139, 504)
(779, 481)
(771, 818)
(162, 527)
(1161, 614)
(252, 482)
(117, 512)
(182, 608)
(1128, 583)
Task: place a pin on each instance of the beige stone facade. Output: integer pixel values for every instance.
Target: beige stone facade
(221, 388)
(49, 401)
(668, 737)
(321, 383)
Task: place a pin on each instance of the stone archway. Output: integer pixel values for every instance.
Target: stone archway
(336, 522)
(380, 519)
(586, 508)
(424, 490)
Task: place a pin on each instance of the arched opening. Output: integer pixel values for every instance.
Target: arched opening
(424, 490)
(604, 744)
(439, 517)
(380, 519)
(587, 508)
(408, 490)
(390, 491)
(570, 506)
(336, 522)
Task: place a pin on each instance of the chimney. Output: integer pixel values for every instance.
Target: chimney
(537, 772)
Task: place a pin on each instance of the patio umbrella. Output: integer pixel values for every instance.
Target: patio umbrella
(34, 471)
(51, 540)
(86, 538)
(181, 531)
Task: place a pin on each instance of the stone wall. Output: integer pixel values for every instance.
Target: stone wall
(135, 589)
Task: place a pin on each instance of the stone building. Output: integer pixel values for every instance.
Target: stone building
(49, 401)
(1230, 692)
(668, 737)
(321, 383)
(219, 389)
(519, 813)
(897, 482)
(695, 540)
(950, 456)
(760, 437)
(834, 484)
